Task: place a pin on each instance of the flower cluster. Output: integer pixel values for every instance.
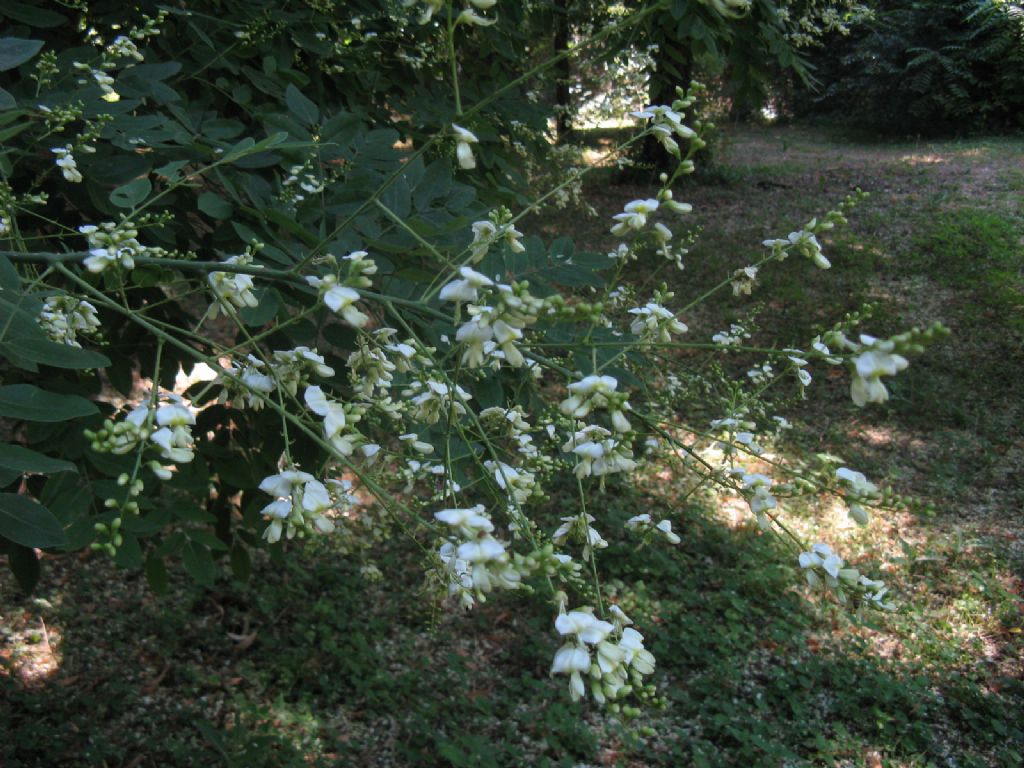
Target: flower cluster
(65, 317)
(859, 490)
(520, 484)
(599, 452)
(431, 399)
(114, 245)
(373, 364)
(101, 77)
(493, 330)
(611, 655)
(597, 392)
(756, 491)
(733, 337)
(579, 528)
(294, 367)
(496, 229)
(475, 562)
(173, 436)
(654, 321)
(66, 161)
(301, 505)
(667, 125)
(823, 569)
(803, 242)
(338, 426)
(233, 289)
(644, 522)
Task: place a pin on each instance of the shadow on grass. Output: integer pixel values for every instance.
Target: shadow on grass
(312, 665)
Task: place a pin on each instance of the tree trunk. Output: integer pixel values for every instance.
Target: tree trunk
(668, 74)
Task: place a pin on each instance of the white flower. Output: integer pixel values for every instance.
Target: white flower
(632, 642)
(417, 445)
(574, 660)
(807, 244)
(340, 299)
(302, 504)
(822, 556)
(639, 521)
(665, 526)
(519, 482)
(870, 367)
(634, 216)
(481, 550)
(758, 496)
(743, 280)
(570, 658)
(175, 444)
(174, 415)
(66, 163)
(583, 625)
(588, 393)
(113, 244)
(469, 522)
(471, 17)
(463, 151)
(465, 289)
(856, 481)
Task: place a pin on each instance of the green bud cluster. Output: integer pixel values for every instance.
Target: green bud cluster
(112, 534)
(118, 438)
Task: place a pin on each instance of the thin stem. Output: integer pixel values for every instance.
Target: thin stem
(453, 61)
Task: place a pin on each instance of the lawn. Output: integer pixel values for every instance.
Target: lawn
(314, 663)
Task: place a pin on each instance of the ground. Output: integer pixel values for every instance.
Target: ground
(308, 664)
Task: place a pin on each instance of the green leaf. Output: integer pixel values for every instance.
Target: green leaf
(34, 17)
(129, 554)
(9, 278)
(263, 312)
(54, 354)
(305, 111)
(287, 223)
(204, 537)
(156, 573)
(241, 563)
(170, 170)
(24, 565)
(29, 403)
(27, 522)
(199, 563)
(22, 459)
(193, 513)
(10, 132)
(70, 500)
(9, 102)
(248, 146)
(15, 51)
(131, 194)
(215, 206)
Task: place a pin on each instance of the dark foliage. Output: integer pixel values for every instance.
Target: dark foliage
(925, 67)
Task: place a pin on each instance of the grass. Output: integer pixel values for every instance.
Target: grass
(310, 664)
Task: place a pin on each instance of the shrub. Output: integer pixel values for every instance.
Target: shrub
(260, 286)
